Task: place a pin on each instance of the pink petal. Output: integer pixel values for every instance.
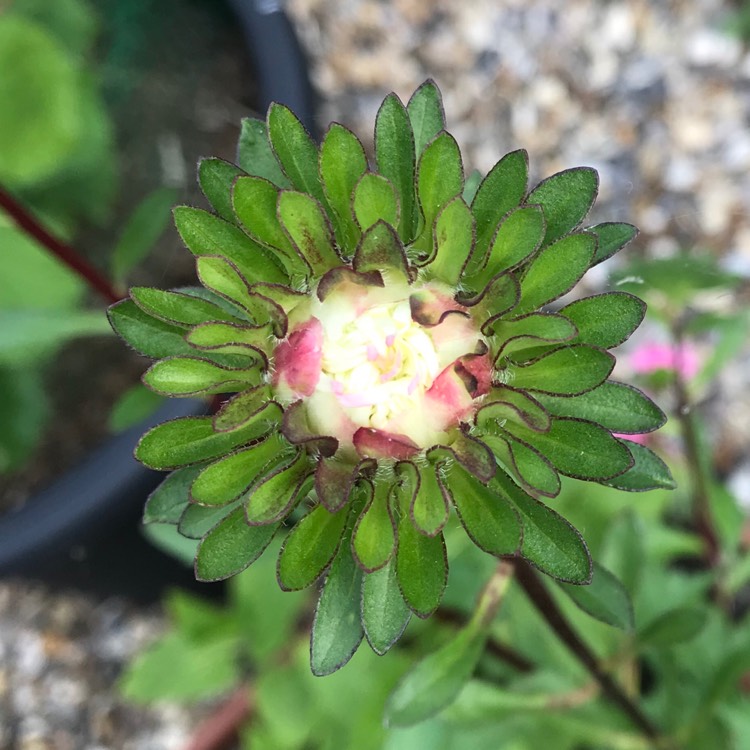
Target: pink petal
(371, 443)
(453, 391)
(640, 439)
(657, 356)
(298, 358)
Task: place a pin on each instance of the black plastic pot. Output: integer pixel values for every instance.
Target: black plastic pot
(84, 530)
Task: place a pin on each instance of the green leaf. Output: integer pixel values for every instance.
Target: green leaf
(549, 542)
(612, 236)
(310, 547)
(500, 192)
(616, 406)
(421, 567)
(517, 238)
(176, 307)
(375, 200)
(295, 150)
(337, 630)
(605, 320)
(254, 153)
(231, 546)
(491, 523)
(384, 612)
(566, 198)
(425, 109)
(135, 405)
(380, 250)
(374, 535)
(144, 227)
(307, 226)
(197, 520)
(473, 181)
(440, 178)
(70, 21)
(622, 551)
(238, 410)
(529, 331)
(45, 125)
(569, 370)
(648, 472)
(504, 402)
(206, 234)
(185, 376)
(168, 501)
(342, 163)
(216, 178)
(271, 500)
(579, 449)
(28, 335)
(555, 271)
(24, 409)
(396, 160)
(166, 538)
(178, 668)
(226, 479)
(453, 241)
(254, 341)
(605, 599)
(429, 508)
(672, 628)
(189, 440)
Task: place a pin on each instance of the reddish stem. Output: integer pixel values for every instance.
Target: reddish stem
(68, 255)
(222, 726)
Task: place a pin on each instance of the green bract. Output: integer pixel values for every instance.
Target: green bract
(394, 354)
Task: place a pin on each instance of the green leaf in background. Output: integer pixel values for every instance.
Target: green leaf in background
(254, 154)
(144, 227)
(672, 628)
(28, 335)
(425, 109)
(42, 129)
(135, 405)
(623, 549)
(23, 411)
(384, 612)
(216, 177)
(648, 472)
(604, 598)
(566, 198)
(168, 501)
(396, 158)
(612, 236)
(70, 21)
(607, 319)
(337, 630)
(166, 537)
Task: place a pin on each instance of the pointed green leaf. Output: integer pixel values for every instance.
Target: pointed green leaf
(579, 449)
(168, 501)
(342, 163)
(255, 203)
(307, 226)
(517, 238)
(612, 236)
(429, 508)
(131, 408)
(226, 479)
(396, 160)
(421, 567)
(337, 630)
(569, 370)
(500, 192)
(555, 271)
(566, 198)
(272, 499)
(254, 153)
(310, 547)
(186, 376)
(673, 627)
(426, 114)
(440, 178)
(189, 440)
(605, 599)
(231, 546)
(216, 178)
(648, 472)
(144, 227)
(616, 406)
(384, 612)
(147, 335)
(375, 200)
(453, 241)
(176, 307)
(549, 543)
(206, 234)
(491, 523)
(606, 319)
(374, 535)
(295, 150)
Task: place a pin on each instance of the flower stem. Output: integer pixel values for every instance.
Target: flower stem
(547, 607)
(28, 224)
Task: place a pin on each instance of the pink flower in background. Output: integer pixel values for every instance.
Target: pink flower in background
(658, 356)
(641, 439)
